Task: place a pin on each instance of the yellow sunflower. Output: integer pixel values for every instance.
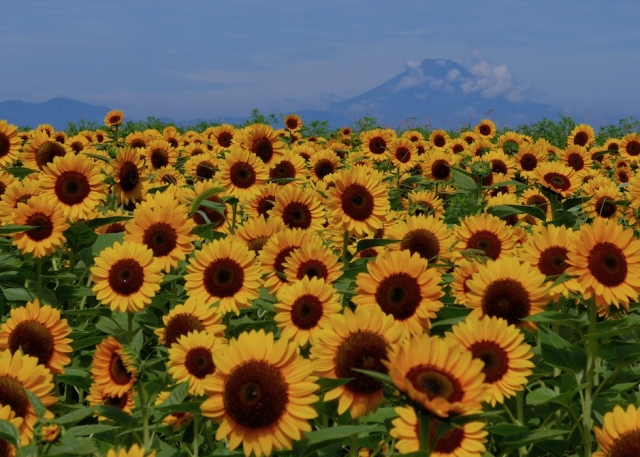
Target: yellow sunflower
(401, 285)
(112, 368)
(444, 380)
(312, 261)
(221, 215)
(261, 203)
(164, 228)
(528, 158)
(75, 183)
(576, 157)
(499, 162)
(189, 317)
(289, 166)
(224, 272)
(404, 154)
(49, 223)
(486, 233)
(463, 271)
(467, 441)
(113, 118)
(582, 135)
(439, 138)
(18, 373)
(191, 359)
(222, 136)
(9, 143)
(176, 420)
(425, 235)
(376, 143)
(323, 163)
(242, 173)
(134, 451)
(261, 141)
(630, 147)
(299, 208)
(355, 340)
(137, 140)
(9, 415)
(359, 201)
(604, 203)
(159, 154)
(128, 172)
(304, 307)
(255, 232)
(486, 129)
(437, 165)
(293, 123)
(126, 277)
(17, 192)
(501, 348)
(40, 151)
(6, 179)
(509, 289)
(124, 402)
(620, 433)
(605, 258)
(533, 197)
(202, 166)
(557, 177)
(262, 393)
(40, 333)
(424, 203)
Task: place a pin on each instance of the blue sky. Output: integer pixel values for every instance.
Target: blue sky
(202, 59)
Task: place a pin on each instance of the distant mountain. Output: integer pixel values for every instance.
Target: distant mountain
(58, 112)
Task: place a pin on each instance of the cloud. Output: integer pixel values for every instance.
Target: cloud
(491, 80)
(416, 77)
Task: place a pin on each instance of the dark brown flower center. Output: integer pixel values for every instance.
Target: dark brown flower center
(263, 148)
(440, 169)
(363, 350)
(485, 130)
(581, 138)
(357, 202)
(486, 241)
(399, 295)
(5, 144)
(284, 169)
(292, 124)
(199, 362)
(265, 204)
(498, 166)
(323, 168)
(495, 358)
(508, 299)
(242, 175)
(435, 383)
(43, 226)
(138, 143)
(439, 141)
(115, 119)
(119, 402)
(297, 215)
(626, 445)
(224, 139)
(377, 145)
(278, 264)
(118, 371)
(47, 152)
(12, 394)
(633, 148)
(115, 228)
(608, 264)
(72, 187)
(403, 155)
(126, 277)
(223, 278)
(205, 170)
(553, 261)
(128, 176)
(179, 325)
(34, 339)
(529, 162)
(557, 180)
(255, 394)
(306, 311)
(450, 440)
(422, 241)
(605, 207)
(258, 243)
(161, 238)
(159, 158)
(312, 268)
(575, 161)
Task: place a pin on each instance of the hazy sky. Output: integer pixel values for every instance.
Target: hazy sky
(189, 59)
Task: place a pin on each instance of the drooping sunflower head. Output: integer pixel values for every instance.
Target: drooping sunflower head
(113, 369)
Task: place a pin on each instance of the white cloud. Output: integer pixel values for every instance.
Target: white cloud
(491, 80)
(416, 77)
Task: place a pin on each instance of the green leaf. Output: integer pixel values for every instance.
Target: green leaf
(38, 407)
(319, 439)
(382, 377)
(553, 317)
(67, 292)
(86, 430)
(76, 416)
(573, 359)
(99, 222)
(105, 240)
(192, 407)
(540, 396)
(177, 395)
(69, 444)
(464, 182)
(363, 245)
(506, 429)
(18, 294)
(507, 183)
(99, 157)
(10, 433)
(79, 236)
(116, 415)
(208, 232)
(20, 172)
(204, 195)
(327, 384)
(535, 436)
(502, 211)
(81, 382)
(5, 230)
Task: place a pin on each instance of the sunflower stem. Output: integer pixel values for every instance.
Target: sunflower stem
(143, 416)
(592, 352)
(39, 278)
(234, 211)
(424, 431)
(522, 451)
(196, 425)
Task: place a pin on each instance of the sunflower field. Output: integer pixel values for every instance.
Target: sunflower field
(245, 290)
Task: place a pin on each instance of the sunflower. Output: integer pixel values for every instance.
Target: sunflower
(196, 149)
(355, 340)
(163, 228)
(221, 215)
(401, 285)
(439, 138)
(533, 197)
(113, 227)
(500, 199)
(9, 415)
(112, 368)
(189, 317)
(255, 232)
(426, 235)
(499, 162)
(124, 402)
(49, 224)
(134, 451)
(191, 359)
(224, 271)
(509, 289)
(501, 348)
(480, 148)
(262, 203)
(126, 277)
(623, 174)
(261, 141)
(376, 142)
(620, 433)
(486, 129)
(202, 166)
(171, 136)
(424, 203)
(304, 307)
(312, 261)
(576, 157)
(462, 272)
(19, 373)
(509, 142)
(486, 233)
(176, 420)
(323, 163)
(558, 177)
(605, 257)
(404, 154)
(582, 135)
(137, 140)
(467, 441)
(9, 143)
(222, 136)
(40, 333)
(17, 192)
(444, 380)
(293, 123)
(262, 392)
(298, 208)
(6, 179)
(75, 183)
(603, 203)
(275, 251)
(128, 173)
(413, 135)
(630, 147)
(359, 201)
(290, 167)
(529, 157)
(40, 151)
(243, 174)
(113, 118)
